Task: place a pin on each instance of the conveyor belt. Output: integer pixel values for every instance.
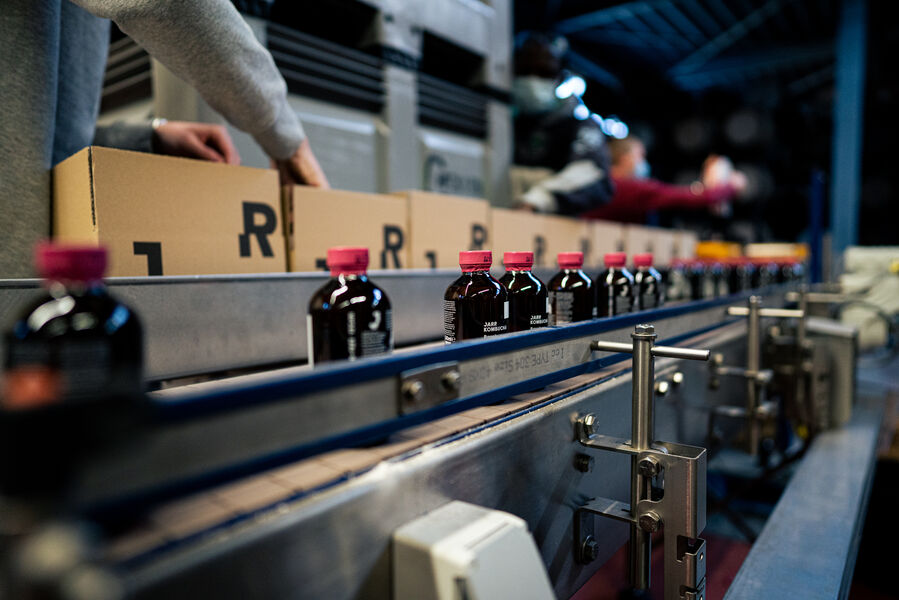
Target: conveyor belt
(208, 433)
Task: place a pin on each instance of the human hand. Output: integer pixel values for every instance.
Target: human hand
(716, 171)
(739, 182)
(195, 140)
(301, 168)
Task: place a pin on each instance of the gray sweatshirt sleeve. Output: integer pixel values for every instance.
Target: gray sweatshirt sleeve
(209, 45)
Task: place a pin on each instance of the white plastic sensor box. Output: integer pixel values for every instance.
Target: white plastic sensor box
(463, 551)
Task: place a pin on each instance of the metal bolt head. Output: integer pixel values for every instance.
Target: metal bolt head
(413, 390)
(451, 381)
(677, 378)
(583, 462)
(649, 466)
(589, 423)
(645, 329)
(650, 522)
(662, 388)
(589, 550)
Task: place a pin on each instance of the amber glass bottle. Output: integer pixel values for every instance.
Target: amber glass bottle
(528, 303)
(615, 287)
(349, 317)
(647, 283)
(572, 296)
(476, 305)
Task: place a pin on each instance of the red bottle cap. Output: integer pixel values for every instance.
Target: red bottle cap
(70, 262)
(518, 261)
(615, 259)
(475, 260)
(571, 260)
(348, 260)
(643, 260)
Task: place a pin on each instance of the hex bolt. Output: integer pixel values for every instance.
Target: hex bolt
(583, 462)
(677, 378)
(413, 391)
(588, 422)
(589, 550)
(645, 329)
(650, 522)
(451, 380)
(649, 466)
(662, 388)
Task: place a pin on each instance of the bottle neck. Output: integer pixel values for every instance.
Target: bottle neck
(351, 276)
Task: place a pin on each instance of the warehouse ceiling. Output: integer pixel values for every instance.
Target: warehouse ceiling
(694, 44)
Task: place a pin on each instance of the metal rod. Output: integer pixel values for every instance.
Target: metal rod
(777, 313)
(753, 364)
(611, 347)
(642, 434)
(686, 353)
(781, 313)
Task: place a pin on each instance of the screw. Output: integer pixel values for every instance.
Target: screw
(662, 388)
(451, 380)
(413, 390)
(588, 422)
(677, 378)
(589, 550)
(583, 462)
(649, 466)
(645, 329)
(650, 522)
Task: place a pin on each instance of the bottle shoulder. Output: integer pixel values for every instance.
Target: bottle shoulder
(471, 285)
(61, 312)
(341, 293)
(522, 281)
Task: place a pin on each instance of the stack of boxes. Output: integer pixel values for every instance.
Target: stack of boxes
(170, 216)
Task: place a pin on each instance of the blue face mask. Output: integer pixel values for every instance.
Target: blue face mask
(641, 171)
(534, 95)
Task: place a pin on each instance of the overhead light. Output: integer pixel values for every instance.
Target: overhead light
(581, 112)
(573, 86)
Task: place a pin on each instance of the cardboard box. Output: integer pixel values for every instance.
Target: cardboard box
(160, 215)
(660, 242)
(316, 220)
(544, 235)
(607, 237)
(440, 226)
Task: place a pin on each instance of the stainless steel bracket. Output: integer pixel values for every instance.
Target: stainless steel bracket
(428, 386)
(679, 469)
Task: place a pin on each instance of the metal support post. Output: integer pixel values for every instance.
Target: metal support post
(681, 509)
(848, 112)
(757, 379)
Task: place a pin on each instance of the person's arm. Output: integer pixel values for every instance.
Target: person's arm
(174, 138)
(209, 45)
(655, 195)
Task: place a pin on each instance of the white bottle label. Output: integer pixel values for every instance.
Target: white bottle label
(309, 346)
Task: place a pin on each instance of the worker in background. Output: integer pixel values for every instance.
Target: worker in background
(52, 60)
(637, 195)
(548, 134)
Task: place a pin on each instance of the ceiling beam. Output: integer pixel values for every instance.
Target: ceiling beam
(702, 16)
(624, 37)
(679, 20)
(604, 16)
(586, 67)
(727, 38)
(755, 64)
